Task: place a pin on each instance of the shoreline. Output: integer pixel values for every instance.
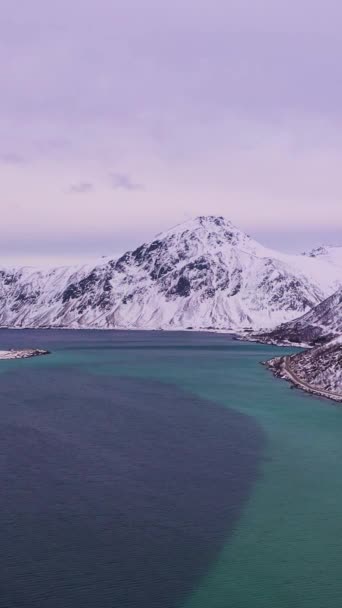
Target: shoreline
(230, 332)
(237, 334)
(280, 367)
(280, 344)
(6, 355)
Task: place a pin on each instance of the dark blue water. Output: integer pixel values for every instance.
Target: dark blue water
(117, 489)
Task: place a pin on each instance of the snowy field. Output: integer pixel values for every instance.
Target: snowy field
(22, 354)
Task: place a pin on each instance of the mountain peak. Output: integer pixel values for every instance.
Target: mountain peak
(214, 228)
(209, 222)
(213, 220)
(204, 273)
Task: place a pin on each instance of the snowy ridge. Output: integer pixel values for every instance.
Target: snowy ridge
(321, 324)
(202, 274)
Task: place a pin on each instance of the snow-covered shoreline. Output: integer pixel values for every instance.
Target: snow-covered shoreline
(304, 370)
(258, 339)
(22, 354)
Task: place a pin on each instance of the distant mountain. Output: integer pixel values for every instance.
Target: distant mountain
(202, 274)
(329, 253)
(321, 324)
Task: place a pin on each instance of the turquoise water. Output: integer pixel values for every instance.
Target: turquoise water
(285, 547)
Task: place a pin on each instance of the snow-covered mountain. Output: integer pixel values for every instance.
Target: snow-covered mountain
(204, 273)
(321, 324)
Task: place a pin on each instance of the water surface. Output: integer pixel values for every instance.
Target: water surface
(164, 469)
(116, 490)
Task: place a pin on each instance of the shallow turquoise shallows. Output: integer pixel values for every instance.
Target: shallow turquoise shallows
(285, 548)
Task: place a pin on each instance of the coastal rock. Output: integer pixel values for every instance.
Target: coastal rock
(23, 354)
(317, 371)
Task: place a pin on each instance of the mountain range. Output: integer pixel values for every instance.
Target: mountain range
(202, 274)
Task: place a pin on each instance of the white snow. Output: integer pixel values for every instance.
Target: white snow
(204, 273)
(321, 367)
(21, 354)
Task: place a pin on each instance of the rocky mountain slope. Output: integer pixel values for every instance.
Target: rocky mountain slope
(318, 370)
(202, 274)
(321, 324)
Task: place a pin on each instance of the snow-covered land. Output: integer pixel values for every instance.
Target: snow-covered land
(22, 354)
(318, 370)
(330, 253)
(319, 325)
(321, 367)
(202, 274)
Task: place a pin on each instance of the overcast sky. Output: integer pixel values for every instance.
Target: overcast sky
(119, 118)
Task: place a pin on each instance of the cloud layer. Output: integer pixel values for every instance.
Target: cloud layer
(201, 107)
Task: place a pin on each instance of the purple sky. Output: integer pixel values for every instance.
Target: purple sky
(120, 118)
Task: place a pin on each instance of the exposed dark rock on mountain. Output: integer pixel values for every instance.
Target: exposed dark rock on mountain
(317, 370)
(203, 274)
(319, 325)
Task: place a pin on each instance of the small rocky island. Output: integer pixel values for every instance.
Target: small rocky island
(22, 354)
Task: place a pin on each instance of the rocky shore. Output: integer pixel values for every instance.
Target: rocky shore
(22, 354)
(317, 371)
